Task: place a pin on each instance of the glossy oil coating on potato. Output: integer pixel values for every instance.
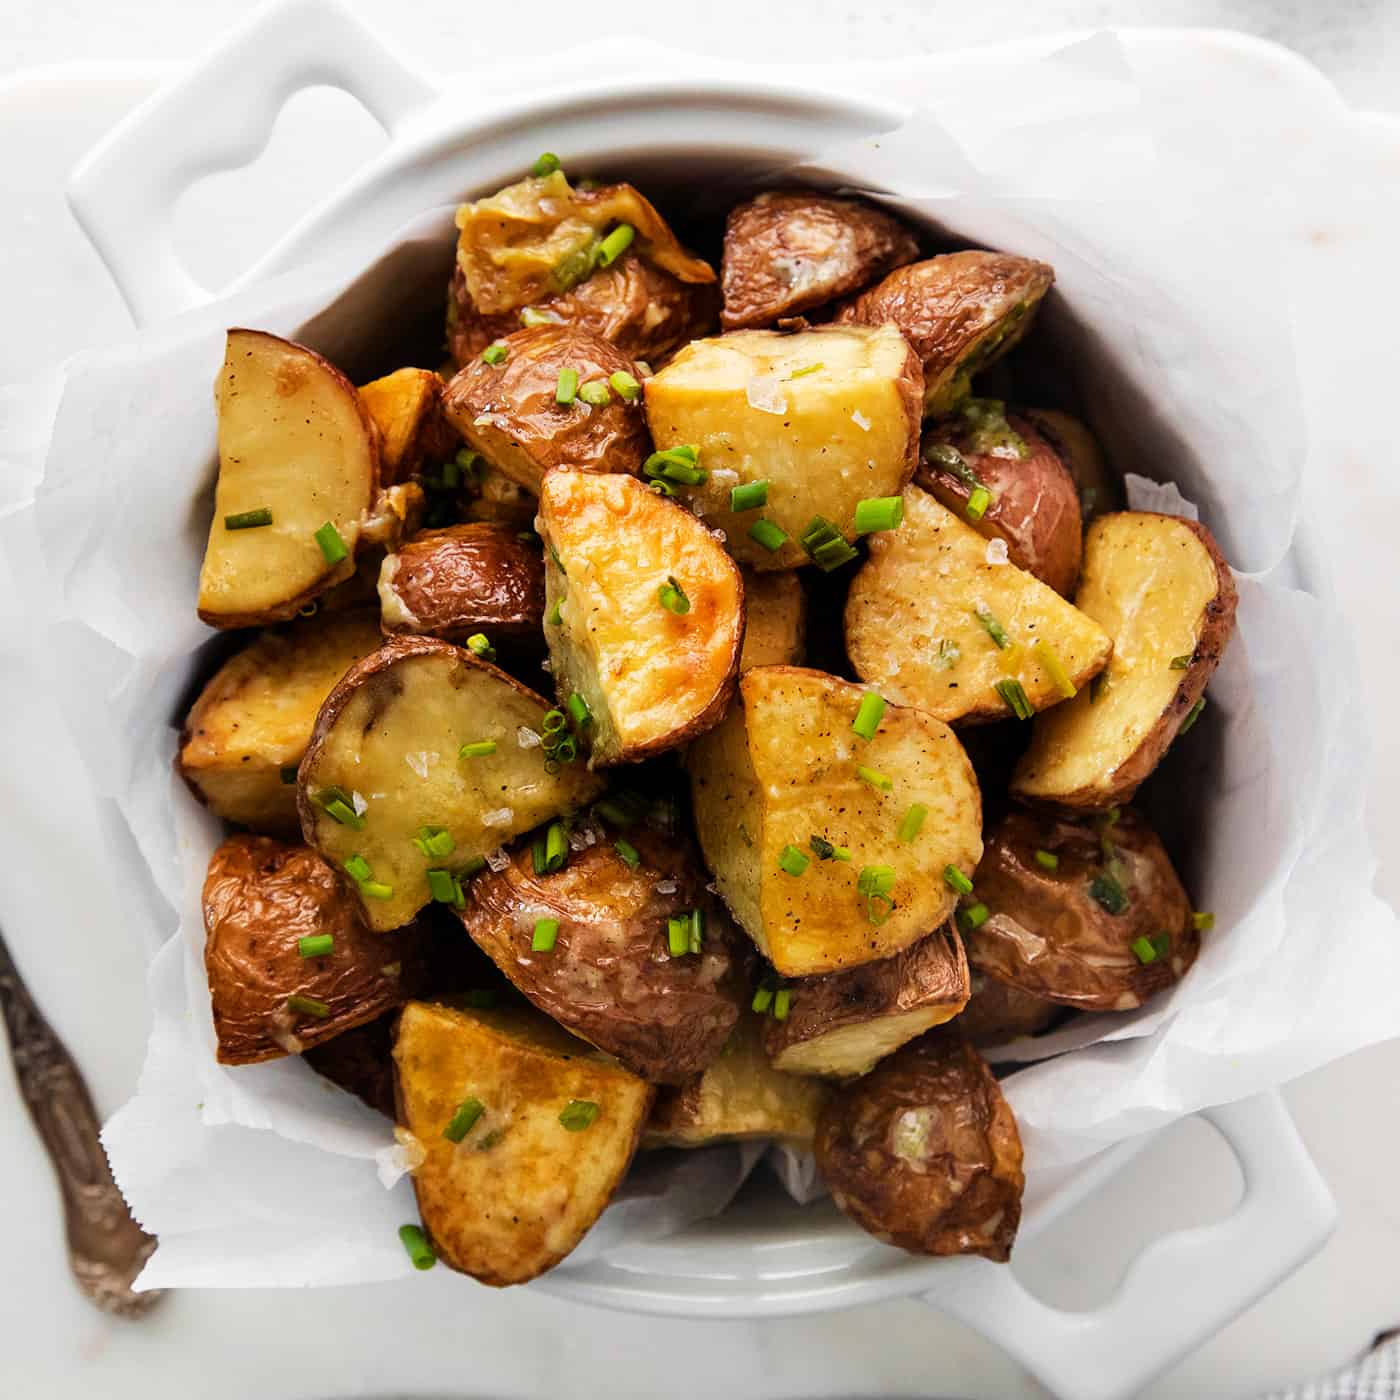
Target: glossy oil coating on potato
(782, 769)
(520, 1189)
(1055, 933)
(1099, 486)
(1034, 503)
(997, 1012)
(960, 312)
(841, 1024)
(260, 898)
(245, 735)
(924, 1153)
(920, 614)
(741, 1096)
(775, 621)
(827, 417)
(1160, 588)
(510, 411)
(653, 676)
(413, 430)
(465, 579)
(387, 744)
(786, 251)
(295, 440)
(609, 976)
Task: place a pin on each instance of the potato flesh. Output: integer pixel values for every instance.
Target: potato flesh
(851, 1050)
(824, 440)
(520, 1190)
(407, 409)
(912, 624)
(293, 438)
(1148, 581)
(775, 622)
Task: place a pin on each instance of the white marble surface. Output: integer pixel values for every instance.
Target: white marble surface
(428, 1336)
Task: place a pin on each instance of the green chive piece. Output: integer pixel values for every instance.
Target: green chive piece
(478, 748)
(1144, 950)
(697, 929)
(1014, 694)
(676, 464)
(869, 715)
(537, 855)
(308, 1006)
(464, 1120)
(289, 774)
(672, 597)
(579, 1114)
(578, 710)
(496, 354)
(662, 488)
(992, 627)
(558, 562)
(678, 935)
(1047, 860)
(249, 519)
(973, 917)
(333, 548)
(825, 850)
(595, 392)
(553, 721)
(547, 164)
(977, 503)
(451, 475)
(768, 535)
(556, 848)
(913, 821)
(478, 645)
(628, 852)
(622, 808)
(949, 654)
(1180, 663)
(1192, 715)
(357, 868)
(490, 1140)
(749, 495)
(762, 998)
(337, 803)
(566, 386)
(825, 545)
(556, 614)
(878, 513)
(807, 369)
(442, 886)
(782, 1000)
(875, 883)
(376, 889)
(946, 457)
(416, 1246)
(546, 931)
(956, 880)
(624, 385)
(1203, 921)
(793, 861)
(565, 751)
(315, 945)
(1105, 891)
(616, 244)
(1162, 944)
(1055, 669)
(874, 778)
(481, 998)
(474, 866)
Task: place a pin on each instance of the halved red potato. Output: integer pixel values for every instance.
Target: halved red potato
(1099, 486)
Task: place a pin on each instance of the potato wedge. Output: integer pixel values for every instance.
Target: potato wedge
(245, 735)
(783, 770)
(934, 620)
(384, 763)
(557, 1128)
(839, 1025)
(510, 412)
(786, 251)
(1161, 589)
(826, 417)
(1034, 505)
(296, 443)
(1099, 486)
(775, 621)
(261, 897)
(960, 312)
(653, 675)
(924, 1152)
(609, 976)
(738, 1098)
(997, 1012)
(465, 579)
(413, 430)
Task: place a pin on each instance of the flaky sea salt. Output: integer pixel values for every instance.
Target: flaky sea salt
(527, 738)
(358, 803)
(764, 392)
(497, 860)
(418, 762)
(997, 552)
(666, 887)
(500, 816)
(860, 420)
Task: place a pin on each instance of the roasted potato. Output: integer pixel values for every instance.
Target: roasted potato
(245, 735)
(924, 1153)
(361, 1061)
(413, 430)
(960, 312)
(1027, 495)
(997, 1012)
(1100, 489)
(525, 1134)
(497, 500)
(298, 468)
(261, 898)
(936, 618)
(385, 764)
(1160, 588)
(610, 976)
(1085, 912)
(838, 1025)
(739, 1097)
(825, 417)
(645, 614)
(775, 621)
(465, 579)
(785, 785)
(786, 251)
(511, 413)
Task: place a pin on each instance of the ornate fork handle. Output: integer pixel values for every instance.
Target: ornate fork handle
(106, 1247)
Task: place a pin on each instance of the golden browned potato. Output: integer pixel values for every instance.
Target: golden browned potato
(262, 899)
(360, 1061)
(738, 1098)
(997, 1012)
(298, 468)
(1002, 476)
(840, 1024)
(803, 821)
(424, 759)
(938, 618)
(1085, 912)
(825, 417)
(413, 430)
(612, 974)
(924, 1153)
(775, 628)
(511, 411)
(245, 735)
(1100, 489)
(786, 251)
(644, 614)
(1160, 588)
(525, 1133)
(465, 579)
(960, 312)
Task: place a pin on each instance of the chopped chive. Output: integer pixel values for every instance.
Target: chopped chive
(807, 369)
(956, 880)
(578, 710)
(1180, 663)
(474, 866)
(595, 392)
(977, 503)
(875, 882)
(579, 1114)
(949, 654)
(1106, 892)
(496, 354)
(553, 721)
(546, 164)
(762, 998)
(616, 244)
(336, 803)
(546, 931)
(566, 386)
(793, 861)
(416, 1246)
(478, 748)
(992, 627)
(677, 463)
(558, 562)
(308, 1006)
(464, 1120)
(869, 715)
(824, 850)
(875, 778)
(624, 385)
(1202, 921)
(678, 935)
(249, 519)
(1144, 950)
(1014, 694)
(782, 1000)
(537, 855)
(1047, 860)
(289, 774)
(913, 821)
(947, 458)
(565, 751)
(376, 889)
(442, 886)
(556, 848)
(1054, 668)
(748, 495)
(357, 868)
(480, 998)
(1162, 942)
(628, 852)
(478, 645)
(973, 917)
(1192, 715)
(878, 513)
(672, 597)
(315, 945)
(825, 545)
(451, 475)
(697, 929)
(556, 614)
(333, 548)
(621, 808)
(768, 535)
(662, 488)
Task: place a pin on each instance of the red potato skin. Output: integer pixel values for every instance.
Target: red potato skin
(997, 1012)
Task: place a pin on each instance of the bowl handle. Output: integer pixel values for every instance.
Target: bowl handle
(216, 116)
(1180, 1290)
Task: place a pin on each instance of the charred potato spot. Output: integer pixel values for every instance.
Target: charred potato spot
(788, 251)
(924, 1153)
(406, 407)
(775, 621)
